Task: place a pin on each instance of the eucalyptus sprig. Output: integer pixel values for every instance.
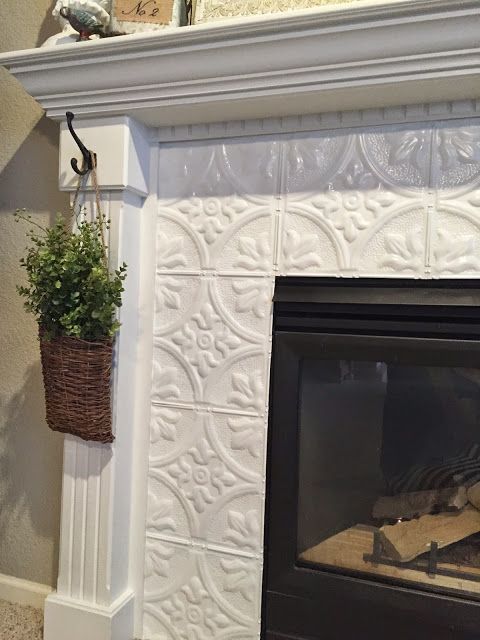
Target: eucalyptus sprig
(70, 289)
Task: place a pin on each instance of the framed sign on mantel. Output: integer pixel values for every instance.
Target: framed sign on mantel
(146, 15)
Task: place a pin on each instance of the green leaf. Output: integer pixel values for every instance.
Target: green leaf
(58, 259)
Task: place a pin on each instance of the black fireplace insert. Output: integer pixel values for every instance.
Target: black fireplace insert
(373, 495)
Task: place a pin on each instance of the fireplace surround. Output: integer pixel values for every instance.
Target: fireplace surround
(370, 381)
(216, 187)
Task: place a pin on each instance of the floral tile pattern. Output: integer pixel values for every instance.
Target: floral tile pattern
(196, 594)
(338, 224)
(206, 478)
(210, 338)
(388, 201)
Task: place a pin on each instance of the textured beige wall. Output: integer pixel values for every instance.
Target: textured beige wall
(30, 455)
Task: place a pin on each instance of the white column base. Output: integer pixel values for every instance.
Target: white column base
(73, 619)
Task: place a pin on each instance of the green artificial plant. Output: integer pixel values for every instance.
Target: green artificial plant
(70, 289)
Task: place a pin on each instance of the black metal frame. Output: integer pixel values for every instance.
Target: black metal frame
(432, 323)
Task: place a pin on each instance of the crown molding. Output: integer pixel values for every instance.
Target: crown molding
(361, 56)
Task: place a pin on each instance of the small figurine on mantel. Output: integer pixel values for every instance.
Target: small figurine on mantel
(81, 19)
(84, 22)
(88, 19)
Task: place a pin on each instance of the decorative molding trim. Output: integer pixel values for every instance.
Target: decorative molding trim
(359, 57)
(102, 496)
(78, 620)
(456, 109)
(23, 592)
(121, 138)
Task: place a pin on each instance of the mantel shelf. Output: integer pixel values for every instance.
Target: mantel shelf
(368, 55)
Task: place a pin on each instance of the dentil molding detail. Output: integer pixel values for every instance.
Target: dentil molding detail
(456, 109)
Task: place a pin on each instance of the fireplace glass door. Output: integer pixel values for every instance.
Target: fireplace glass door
(389, 470)
(373, 511)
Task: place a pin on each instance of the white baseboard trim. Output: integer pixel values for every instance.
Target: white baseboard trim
(23, 592)
(79, 620)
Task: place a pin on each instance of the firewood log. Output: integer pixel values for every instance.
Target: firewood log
(419, 503)
(473, 495)
(405, 541)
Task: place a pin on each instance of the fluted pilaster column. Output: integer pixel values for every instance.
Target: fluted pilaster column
(103, 501)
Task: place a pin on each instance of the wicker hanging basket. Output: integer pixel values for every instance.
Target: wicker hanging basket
(76, 375)
(77, 372)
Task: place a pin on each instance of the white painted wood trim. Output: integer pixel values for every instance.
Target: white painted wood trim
(78, 620)
(146, 259)
(122, 148)
(24, 592)
(104, 491)
(402, 114)
(314, 61)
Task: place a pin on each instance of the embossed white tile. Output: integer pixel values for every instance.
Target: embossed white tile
(313, 160)
(455, 243)
(247, 304)
(219, 192)
(309, 245)
(388, 201)
(396, 246)
(178, 249)
(206, 478)
(237, 383)
(218, 324)
(399, 156)
(248, 247)
(241, 385)
(466, 199)
(172, 431)
(214, 233)
(251, 166)
(172, 383)
(194, 593)
(176, 298)
(379, 173)
(456, 156)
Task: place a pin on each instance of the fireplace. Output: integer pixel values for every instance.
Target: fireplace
(374, 461)
(337, 143)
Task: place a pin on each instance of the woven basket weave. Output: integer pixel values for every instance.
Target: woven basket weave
(76, 375)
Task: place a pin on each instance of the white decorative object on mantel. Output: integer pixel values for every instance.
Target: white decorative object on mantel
(210, 10)
(162, 533)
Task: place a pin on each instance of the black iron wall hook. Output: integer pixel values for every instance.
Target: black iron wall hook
(88, 156)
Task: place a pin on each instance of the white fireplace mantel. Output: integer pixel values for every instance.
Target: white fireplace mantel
(356, 57)
(352, 66)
